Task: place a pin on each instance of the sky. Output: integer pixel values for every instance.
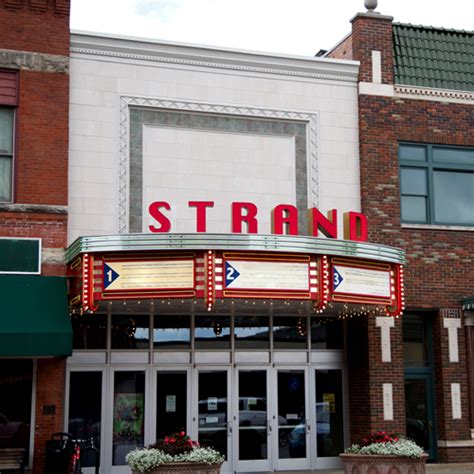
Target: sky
(295, 27)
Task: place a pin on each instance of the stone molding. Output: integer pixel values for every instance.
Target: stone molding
(180, 54)
(30, 61)
(33, 208)
(311, 120)
(427, 93)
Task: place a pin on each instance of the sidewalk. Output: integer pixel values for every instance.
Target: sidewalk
(461, 468)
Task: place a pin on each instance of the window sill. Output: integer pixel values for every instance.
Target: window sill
(438, 227)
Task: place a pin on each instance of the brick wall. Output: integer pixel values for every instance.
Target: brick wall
(343, 50)
(439, 270)
(41, 161)
(372, 32)
(367, 374)
(49, 410)
(40, 27)
(35, 25)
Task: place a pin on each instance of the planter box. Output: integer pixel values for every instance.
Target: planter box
(185, 468)
(382, 464)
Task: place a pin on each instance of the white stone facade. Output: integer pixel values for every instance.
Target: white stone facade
(178, 163)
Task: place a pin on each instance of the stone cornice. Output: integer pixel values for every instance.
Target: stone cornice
(33, 208)
(29, 61)
(427, 93)
(139, 49)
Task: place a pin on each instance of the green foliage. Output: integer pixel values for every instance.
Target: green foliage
(394, 447)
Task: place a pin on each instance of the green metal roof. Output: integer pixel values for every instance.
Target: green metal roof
(433, 57)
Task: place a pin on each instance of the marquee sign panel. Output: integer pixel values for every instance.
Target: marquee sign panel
(361, 281)
(215, 275)
(148, 275)
(251, 275)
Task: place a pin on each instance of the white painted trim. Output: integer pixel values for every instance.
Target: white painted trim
(461, 443)
(452, 325)
(33, 413)
(385, 323)
(376, 67)
(371, 88)
(438, 227)
(428, 93)
(387, 401)
(456, 401)
(130, 49)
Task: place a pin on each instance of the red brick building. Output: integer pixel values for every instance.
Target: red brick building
(416, 117)
(35, 333)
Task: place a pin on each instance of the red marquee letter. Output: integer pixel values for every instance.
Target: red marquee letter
(201, 213)
(249, 218)
(355, 226)
(319, 222)
(154, 210)
(285, 220)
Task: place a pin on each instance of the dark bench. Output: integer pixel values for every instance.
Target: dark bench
(12, 459)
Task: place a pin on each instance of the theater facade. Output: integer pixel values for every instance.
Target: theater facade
(217, 253)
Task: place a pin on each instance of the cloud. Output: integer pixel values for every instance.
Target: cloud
(162, 9)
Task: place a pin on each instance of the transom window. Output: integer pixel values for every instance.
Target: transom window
(436, 184)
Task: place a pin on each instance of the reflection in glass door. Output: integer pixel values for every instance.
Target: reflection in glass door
(214, 427)
(253, 420)
(329, 413)
(419, 407)
(171, 402)
(292, 423)
(128, 414)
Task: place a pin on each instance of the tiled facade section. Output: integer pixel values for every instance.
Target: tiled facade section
(243, 160)
(96, 89)
(257, 168)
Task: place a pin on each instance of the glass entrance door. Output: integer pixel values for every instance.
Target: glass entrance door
(171, 402)
(214, 426)
(419, 408)
(328, 417)
(252, 420)
(291, 419)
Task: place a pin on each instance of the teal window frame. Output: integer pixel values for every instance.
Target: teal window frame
(430, 167)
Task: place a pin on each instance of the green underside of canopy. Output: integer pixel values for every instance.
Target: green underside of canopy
(34, 317)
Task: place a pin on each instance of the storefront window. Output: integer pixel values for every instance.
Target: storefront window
(130, 332)
(290, 332)
(85, 409)
(212, 332)
(129, 414)
(416, 341)
(89, 331)
(15, 403)
(251, 332)
(327, 333)
(171, 332)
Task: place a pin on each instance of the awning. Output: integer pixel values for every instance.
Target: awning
(34, 316)
(468, 303)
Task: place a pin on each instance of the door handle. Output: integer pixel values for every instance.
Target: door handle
(269, 427)
(229, 428)
(308, 426)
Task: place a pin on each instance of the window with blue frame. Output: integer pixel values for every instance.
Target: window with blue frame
(436, 184)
